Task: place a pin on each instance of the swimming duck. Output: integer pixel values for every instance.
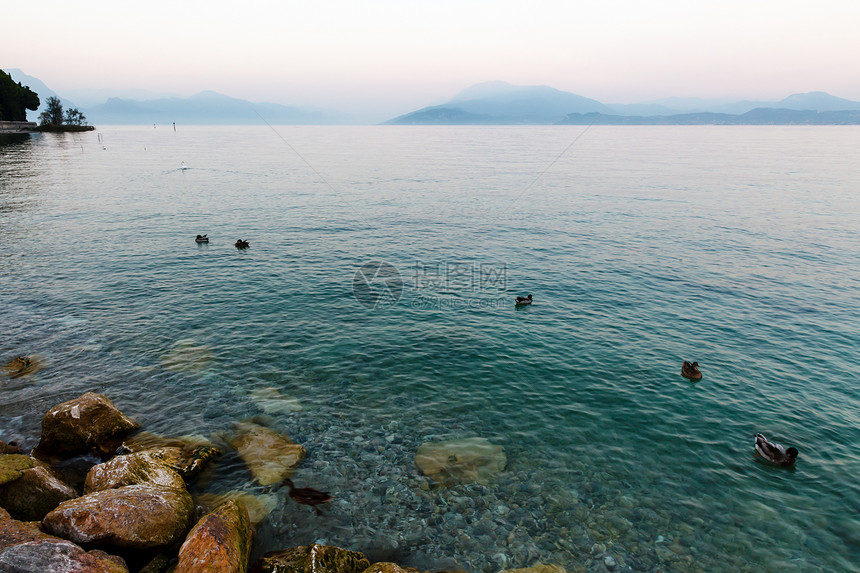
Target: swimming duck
(307, 495)
(691, 371)
(524, 300)
(775, 453)
(240, 244)
(202, 239)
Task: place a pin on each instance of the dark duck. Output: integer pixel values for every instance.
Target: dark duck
(691, 371)
(775, 453)
(307, 495)
(202, 239)
(240, 244)
(524, 300)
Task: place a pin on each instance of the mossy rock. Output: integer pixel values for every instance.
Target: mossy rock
(39, 490)
(88, 422)
(312, 559)
(12, 466)
(220, 541)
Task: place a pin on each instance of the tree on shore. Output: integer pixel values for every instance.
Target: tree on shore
(75, 117)
(15, 99)
(53, 114)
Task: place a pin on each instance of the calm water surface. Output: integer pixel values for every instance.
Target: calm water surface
(643, 246)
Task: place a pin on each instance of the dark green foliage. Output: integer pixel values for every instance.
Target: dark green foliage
(53, 114)
(15, 99)
(75, 117)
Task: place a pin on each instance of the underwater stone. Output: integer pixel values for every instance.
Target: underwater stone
(269, 455)
(460, 461)
(258, 506)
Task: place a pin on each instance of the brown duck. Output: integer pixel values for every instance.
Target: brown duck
(691, 371)
(307, 495)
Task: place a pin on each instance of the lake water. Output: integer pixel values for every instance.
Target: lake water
(642, 246)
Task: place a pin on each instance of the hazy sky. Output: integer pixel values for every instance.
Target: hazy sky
(388, 57)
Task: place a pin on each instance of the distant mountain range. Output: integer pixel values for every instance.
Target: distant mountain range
(500, 103)
(490, 103)
(205, 108)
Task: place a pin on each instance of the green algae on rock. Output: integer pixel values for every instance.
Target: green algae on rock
(12, 466)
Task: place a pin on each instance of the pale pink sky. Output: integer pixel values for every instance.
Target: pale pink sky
(398, 55)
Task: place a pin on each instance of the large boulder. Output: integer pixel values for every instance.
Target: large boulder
(312, 559)
(460, 461)
(269, 455)
(25, 549)
(143, 468)
(133, 517)
(88, 422)
(39, 490)
(221, 541)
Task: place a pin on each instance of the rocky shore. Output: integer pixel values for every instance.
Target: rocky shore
(97, 494)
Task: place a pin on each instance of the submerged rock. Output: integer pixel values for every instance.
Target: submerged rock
(537, 568)
(187, 356)
(143, 468)
(460, 461)
(220, 541)
(312, 559)
(38, 490)
(144, 440)
(258, 506)
(269, 455)
(87, 422)
(22, 366)
(25, 549)
(187, 455)
(272, 401)
(134, 517)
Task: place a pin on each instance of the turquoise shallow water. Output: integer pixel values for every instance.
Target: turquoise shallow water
(645, 246)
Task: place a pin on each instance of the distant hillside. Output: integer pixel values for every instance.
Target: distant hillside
(205, 108)
(503, 103)
(500, 103)
(758, 116)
